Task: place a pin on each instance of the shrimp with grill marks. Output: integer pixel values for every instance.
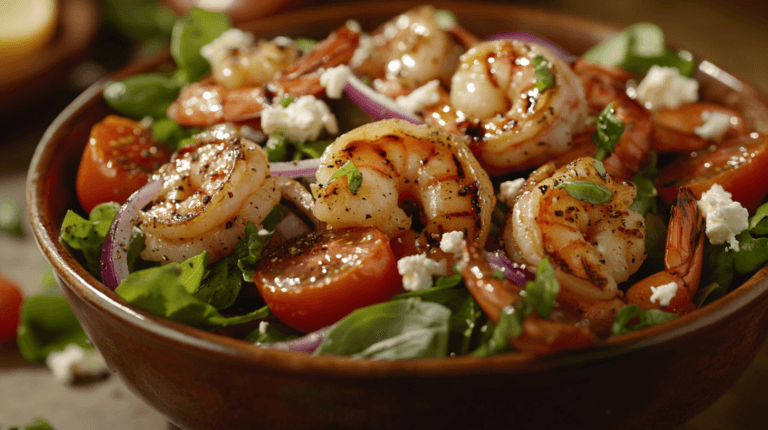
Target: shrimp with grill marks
(211, 190)
(592, 247)
(495, 103)
(412, 175)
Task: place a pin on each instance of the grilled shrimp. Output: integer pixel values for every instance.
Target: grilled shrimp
(209, 102)
(211, 190)
(409, 51)
(591, 246)
(494, 101)
(402, 164)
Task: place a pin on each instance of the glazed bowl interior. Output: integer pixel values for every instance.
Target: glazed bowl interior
(130, 339)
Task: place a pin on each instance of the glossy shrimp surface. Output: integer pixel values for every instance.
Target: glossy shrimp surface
(409, 51)
(494, 101)
(211, 190)
(404, 165)
(592, 247)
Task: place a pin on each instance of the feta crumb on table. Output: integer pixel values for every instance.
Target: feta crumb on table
(666, 88)
(417, 271)
(75, 362)
(724, 217)
(664, 293)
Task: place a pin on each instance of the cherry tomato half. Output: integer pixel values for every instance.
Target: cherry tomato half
(118, 160)
(10, 309)
(315, 280)
(739, 166)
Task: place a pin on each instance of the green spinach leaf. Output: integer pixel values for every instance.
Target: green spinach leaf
(47, 324)
(647, 318)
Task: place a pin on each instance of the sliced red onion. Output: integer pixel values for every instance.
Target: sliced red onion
(295, 169)
(114, 253)
(511, 270)
(306, 343)
(539, 40)
(376, 104)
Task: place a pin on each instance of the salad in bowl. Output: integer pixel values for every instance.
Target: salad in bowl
(564, 225)
(502, 194)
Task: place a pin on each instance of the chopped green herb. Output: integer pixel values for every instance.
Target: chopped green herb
(542, 75)
(286, 101)
(587, 191)
(609, 131)
(37, 424)
(354, 177)
(498, 274)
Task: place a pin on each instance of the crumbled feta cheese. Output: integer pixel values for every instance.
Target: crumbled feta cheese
(301, 121)
(221, 47)
(75, 362)
(716, 124)
(262, 232)
(263, 327)
(725, 218)
(418, 99)
(362, 52)
(451, 242)
(664, 293)
(417, 271)
(334, 80)
(665, 87)
(282, 41)
(508, 190)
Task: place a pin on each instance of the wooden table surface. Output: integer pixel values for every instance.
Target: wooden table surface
(732, 34)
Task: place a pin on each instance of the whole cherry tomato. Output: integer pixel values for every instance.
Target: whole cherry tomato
(118, 160)
(10, 309)
(315, 280)
(739, 166)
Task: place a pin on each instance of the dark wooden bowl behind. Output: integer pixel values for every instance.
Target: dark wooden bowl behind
(656, 378)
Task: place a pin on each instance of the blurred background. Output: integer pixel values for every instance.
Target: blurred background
(51, 50)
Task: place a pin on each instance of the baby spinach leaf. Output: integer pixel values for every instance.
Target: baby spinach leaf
(639, 47)
(498, 341)
(647, 318)
(608, 132)
(47, 324)
(753, 253)
(586, 191)
(354, 178)
(542, 75)
(11, 217)
(168, 291)
(222, 283)
(758, 223)
(86, 236)
(190, 33)
(400, 329)
(143, 95)
(540, 294)
(718, 268)
(655, 241)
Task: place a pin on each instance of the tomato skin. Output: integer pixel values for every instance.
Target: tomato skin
(746, 182)
(10, 309)
(119, 159)
(316, 280)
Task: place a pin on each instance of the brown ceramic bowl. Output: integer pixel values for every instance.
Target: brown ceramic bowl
(655, 378)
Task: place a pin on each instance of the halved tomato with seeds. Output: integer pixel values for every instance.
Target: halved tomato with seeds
(315, 280)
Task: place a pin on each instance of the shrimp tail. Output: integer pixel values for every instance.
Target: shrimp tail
(683, 260)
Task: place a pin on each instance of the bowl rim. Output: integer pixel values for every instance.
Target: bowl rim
(73, 276)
